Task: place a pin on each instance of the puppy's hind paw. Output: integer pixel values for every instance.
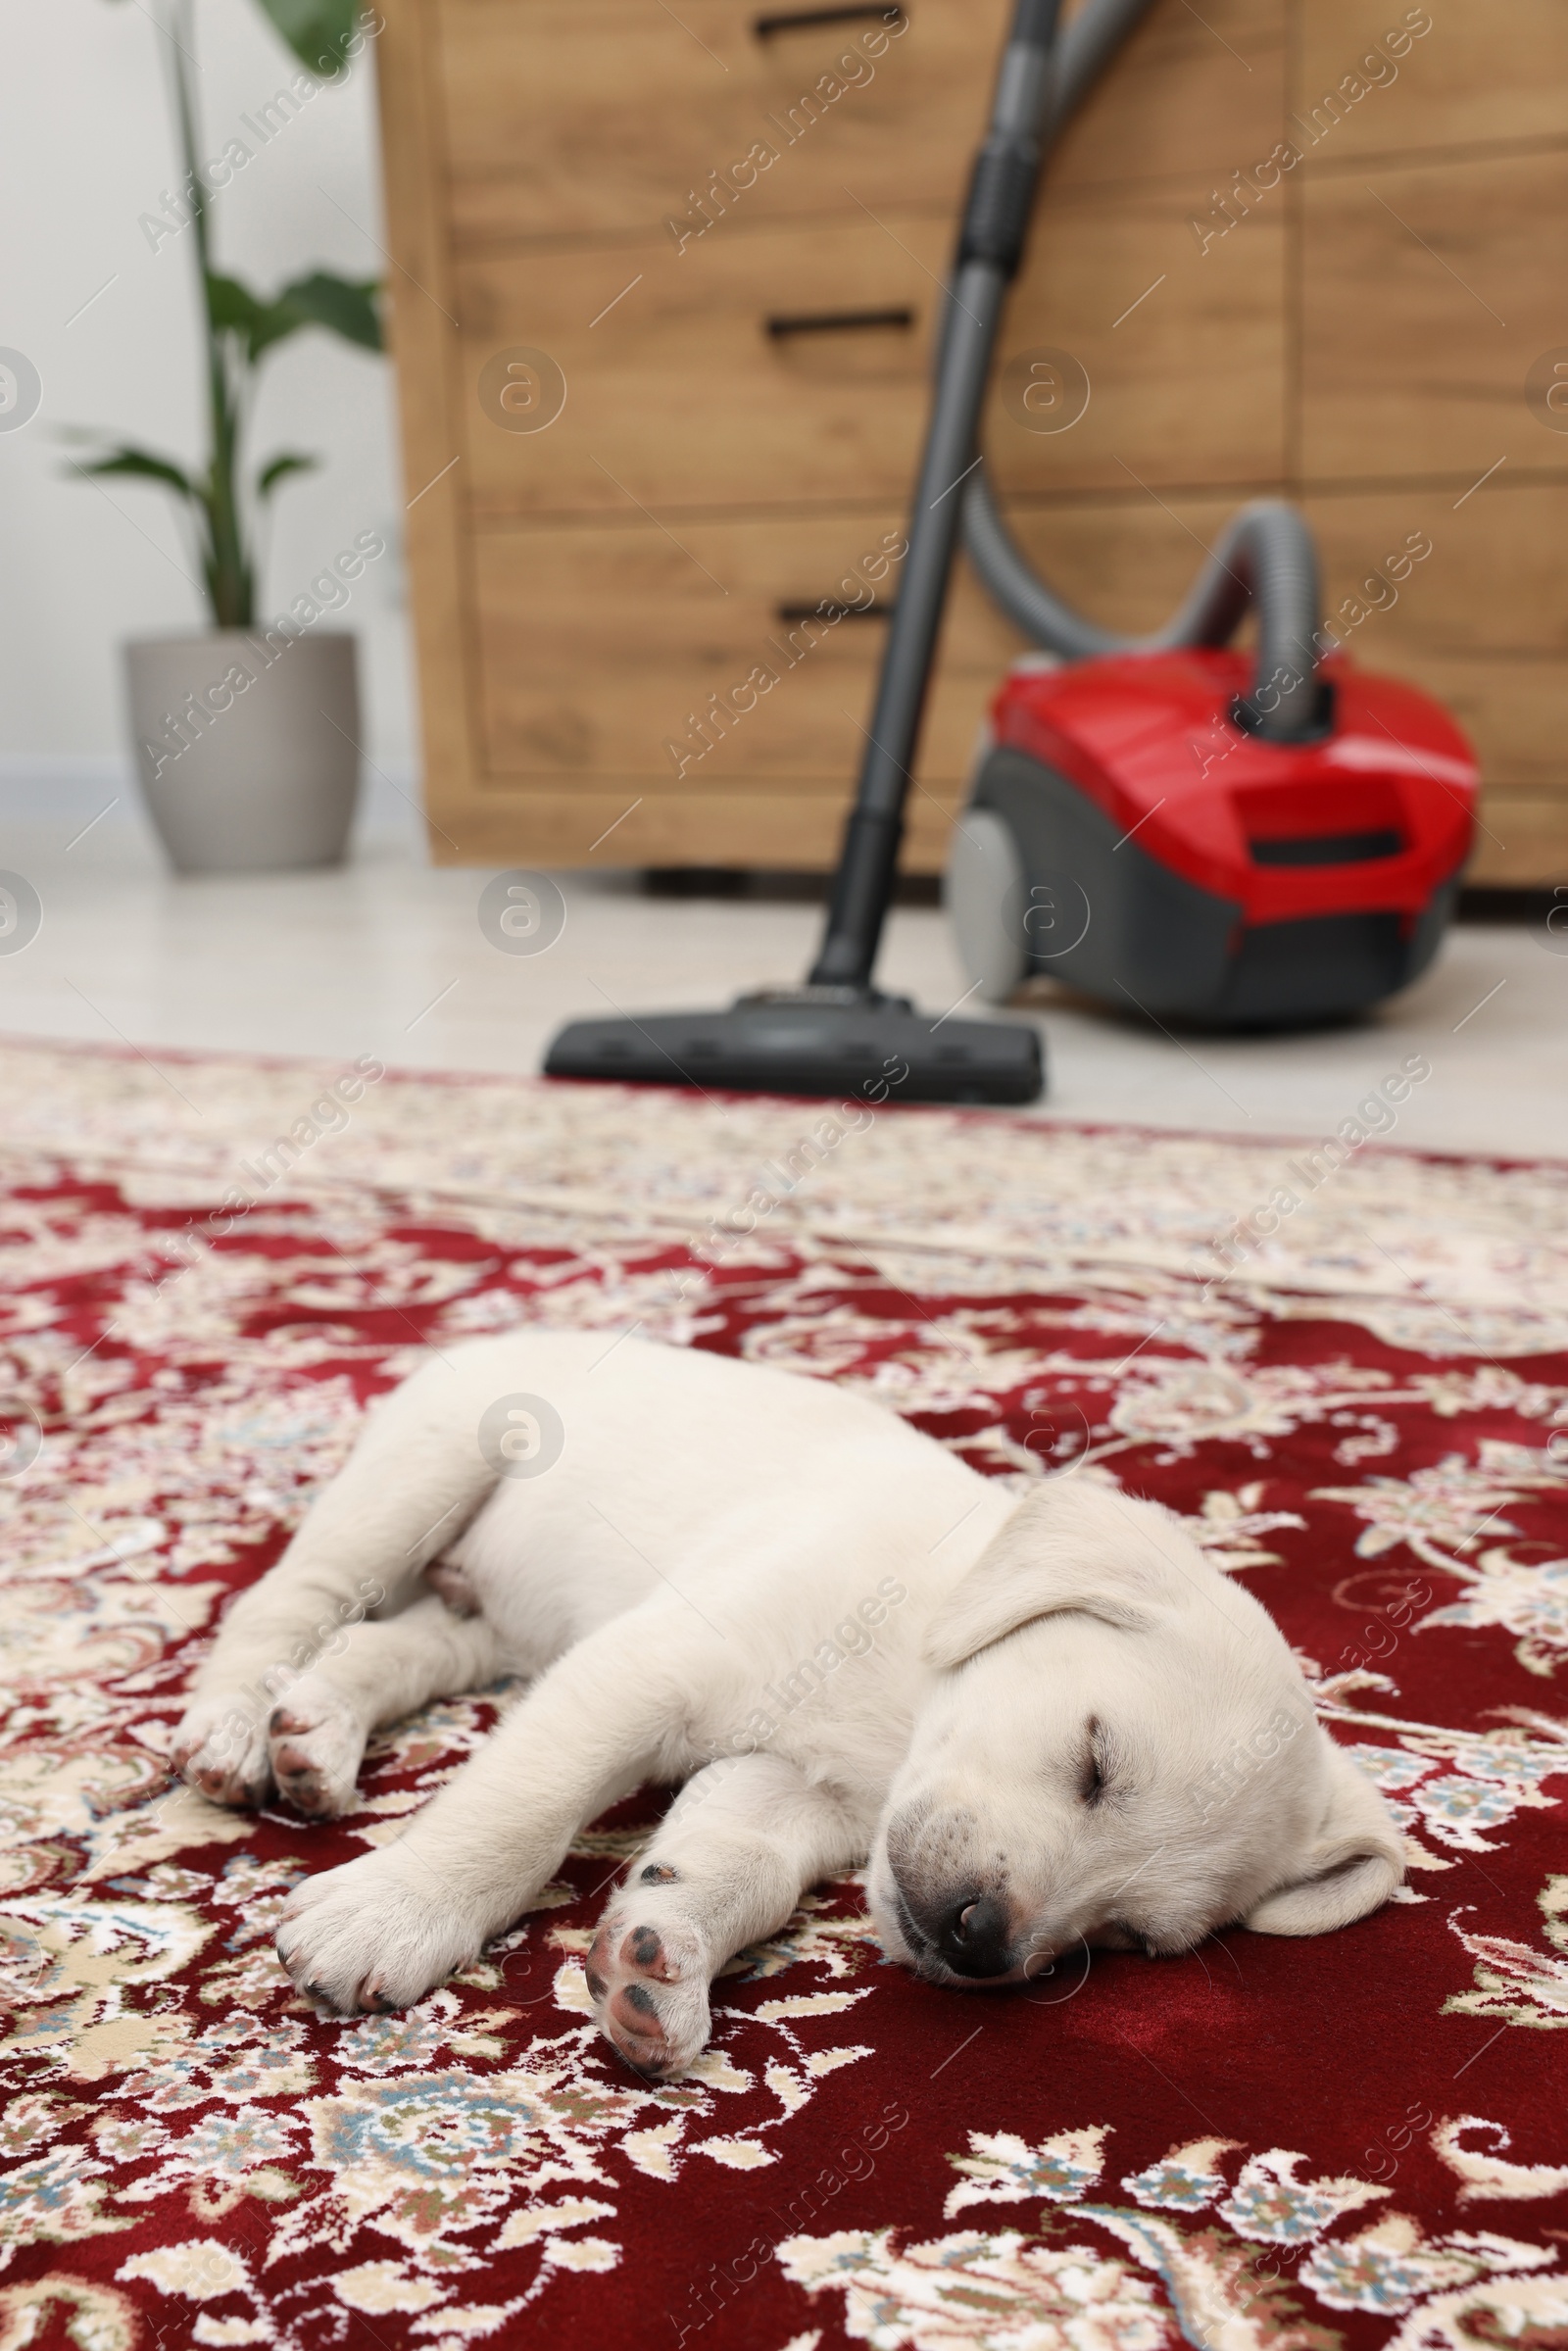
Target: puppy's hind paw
(317, 1741)
(648, 1973)
(221, 1749)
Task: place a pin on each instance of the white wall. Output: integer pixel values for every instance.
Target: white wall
(87, 147)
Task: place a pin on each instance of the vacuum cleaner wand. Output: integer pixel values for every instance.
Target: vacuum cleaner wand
(996, 220)
(838, 1034)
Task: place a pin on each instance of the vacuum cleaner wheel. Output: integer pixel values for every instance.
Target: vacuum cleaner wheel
(985, 891)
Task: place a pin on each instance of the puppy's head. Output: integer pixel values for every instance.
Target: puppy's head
(1119, 1751)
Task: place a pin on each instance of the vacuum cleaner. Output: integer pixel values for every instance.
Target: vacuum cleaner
(1166, 823)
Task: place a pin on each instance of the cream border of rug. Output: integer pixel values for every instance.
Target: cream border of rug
(970, 1199)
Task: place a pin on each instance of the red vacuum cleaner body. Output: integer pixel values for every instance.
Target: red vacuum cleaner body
(1169, 859)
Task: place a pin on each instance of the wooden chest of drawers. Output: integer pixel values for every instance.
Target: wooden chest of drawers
(1292, 249)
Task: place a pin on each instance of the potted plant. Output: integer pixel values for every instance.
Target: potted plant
(247, 737)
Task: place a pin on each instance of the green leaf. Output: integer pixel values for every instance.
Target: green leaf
(344, 305)
(317, 31)
(290, 461)
(231, 305)
(142, 463)
(235, 310)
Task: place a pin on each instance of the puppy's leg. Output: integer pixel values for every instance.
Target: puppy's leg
(740, 1845)
(412, 1482)
(380, 1930)
(383, 1672)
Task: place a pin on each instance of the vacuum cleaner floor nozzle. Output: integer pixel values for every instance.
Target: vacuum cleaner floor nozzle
(811, 1040)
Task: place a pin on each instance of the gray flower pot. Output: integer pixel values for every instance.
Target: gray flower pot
(247, 746)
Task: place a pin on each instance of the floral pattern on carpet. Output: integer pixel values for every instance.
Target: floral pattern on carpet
(1355, 2141)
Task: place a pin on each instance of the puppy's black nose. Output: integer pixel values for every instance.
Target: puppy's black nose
(974, 1937)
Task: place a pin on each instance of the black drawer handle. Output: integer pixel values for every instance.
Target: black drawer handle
(829, 323)
(799, 19)
(829, 608)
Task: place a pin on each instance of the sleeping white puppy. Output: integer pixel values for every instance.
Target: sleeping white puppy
(1049, 1724)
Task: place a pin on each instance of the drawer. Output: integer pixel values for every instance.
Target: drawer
(681, 396)
(541, 145)
(1183, 347)
(1493, 583)
(1482, 73)
(598, 646)
(571, 118)
(1428, 294)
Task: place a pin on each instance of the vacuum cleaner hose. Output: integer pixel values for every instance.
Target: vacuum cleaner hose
(1264, 559)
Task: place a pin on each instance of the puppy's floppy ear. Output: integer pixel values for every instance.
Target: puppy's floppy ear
(1353, 1863)
(1068, 1546)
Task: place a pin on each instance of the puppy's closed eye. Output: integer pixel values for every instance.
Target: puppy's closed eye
(1091, 1766)
(1103, 1766)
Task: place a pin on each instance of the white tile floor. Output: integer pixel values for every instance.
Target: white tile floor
(387, 956)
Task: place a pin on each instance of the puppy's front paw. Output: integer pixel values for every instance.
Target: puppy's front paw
(375, 1935)
(316, 1739)
(220, 1748)
(648, 1972)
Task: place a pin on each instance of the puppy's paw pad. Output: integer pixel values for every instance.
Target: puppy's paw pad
(650, 1988)
(644, 1950)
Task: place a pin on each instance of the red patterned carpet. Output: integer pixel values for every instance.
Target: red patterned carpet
(1358, 2140)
